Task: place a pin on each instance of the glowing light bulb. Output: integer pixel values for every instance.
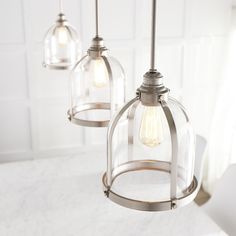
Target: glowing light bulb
(151, 129)
(62, 36)
(99, 73)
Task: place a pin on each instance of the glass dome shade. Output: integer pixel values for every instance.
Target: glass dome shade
(61, 45)
(97, 89)
(151, 151)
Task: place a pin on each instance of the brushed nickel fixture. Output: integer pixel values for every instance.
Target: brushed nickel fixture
(61, 44)
(97, 85)
(151, 148)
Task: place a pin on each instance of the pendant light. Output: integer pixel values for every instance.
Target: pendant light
(97, 85)
(61, 45)
(150, 158)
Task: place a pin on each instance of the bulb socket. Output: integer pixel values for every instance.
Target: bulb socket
(152, 91)
(97, 48)
(61, 21)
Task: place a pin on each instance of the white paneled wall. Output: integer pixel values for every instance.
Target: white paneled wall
(34, 100)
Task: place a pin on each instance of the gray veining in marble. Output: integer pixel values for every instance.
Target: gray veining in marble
(63, 197)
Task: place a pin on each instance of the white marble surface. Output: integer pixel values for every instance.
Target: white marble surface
(63, 197)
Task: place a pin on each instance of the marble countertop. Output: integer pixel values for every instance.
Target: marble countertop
(64, 197)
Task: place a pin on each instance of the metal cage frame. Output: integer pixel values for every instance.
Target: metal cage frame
(170, 167)
(61, 22)
(94, 52)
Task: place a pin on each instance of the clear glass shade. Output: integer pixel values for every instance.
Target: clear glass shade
(97, 89)
(61, 47)
(151, 151)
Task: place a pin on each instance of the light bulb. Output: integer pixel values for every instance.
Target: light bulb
(62, 36)
(99, 73)
(151, 129)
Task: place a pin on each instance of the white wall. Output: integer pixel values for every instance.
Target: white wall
(222, 141)
(33, 100)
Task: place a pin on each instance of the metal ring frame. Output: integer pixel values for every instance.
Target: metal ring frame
(56, 67)
(75, 110)
(188, 195)
(87, 107)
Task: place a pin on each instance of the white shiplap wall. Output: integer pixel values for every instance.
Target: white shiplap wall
(33, 100)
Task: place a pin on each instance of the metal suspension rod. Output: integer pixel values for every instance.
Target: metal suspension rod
(61, 6)
(96, 12)
(153, 36)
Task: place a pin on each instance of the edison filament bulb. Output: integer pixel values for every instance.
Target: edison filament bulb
(99, 73)
(62, 36)
(151, 129)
